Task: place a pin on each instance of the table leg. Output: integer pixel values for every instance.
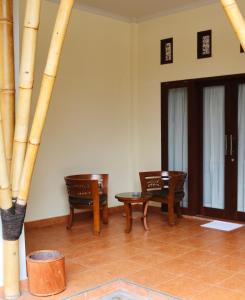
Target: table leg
(145, 207)
(128, 211)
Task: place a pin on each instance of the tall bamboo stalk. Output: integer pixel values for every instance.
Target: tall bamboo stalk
(27, 64)
(7, 83)
(11, 267)
(7, 95)
(44, 97)
(237, 21)
(10, 248)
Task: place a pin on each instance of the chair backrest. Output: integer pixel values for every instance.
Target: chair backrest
(86, 185)
(178, 178)
(151, 181)
(156, 180)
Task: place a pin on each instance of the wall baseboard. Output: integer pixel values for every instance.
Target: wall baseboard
(63, 219)
(154, 209)
(78, 216)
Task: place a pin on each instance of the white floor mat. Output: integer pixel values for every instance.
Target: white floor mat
(220, 225)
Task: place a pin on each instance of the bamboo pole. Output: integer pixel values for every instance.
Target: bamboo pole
(10, 248)
(7, 94)
(7, 83)
(44, 97)
(27, 64)
(236, 19)
(5, 194)
(11, 267)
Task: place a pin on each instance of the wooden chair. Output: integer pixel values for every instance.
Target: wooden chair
(88, 190)
(166, 187)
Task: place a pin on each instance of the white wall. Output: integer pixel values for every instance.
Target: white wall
(88, 124)
(183, 27)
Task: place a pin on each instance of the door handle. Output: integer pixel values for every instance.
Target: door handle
(226, 143)
(231, 145)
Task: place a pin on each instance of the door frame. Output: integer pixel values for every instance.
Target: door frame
(195, 141)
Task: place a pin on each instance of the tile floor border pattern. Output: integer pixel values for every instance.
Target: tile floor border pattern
(121, 285)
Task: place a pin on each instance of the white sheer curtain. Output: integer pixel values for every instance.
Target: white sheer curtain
(241, 149)
(177, 133)
(213, 146)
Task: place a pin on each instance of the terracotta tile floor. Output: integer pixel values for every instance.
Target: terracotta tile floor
(186, 260)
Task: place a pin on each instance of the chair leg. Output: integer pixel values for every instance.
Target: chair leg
(171, 216)
(96, 217)
(70, 218)
(178, 210)
(144, 218)
(128, 211)
(105, 214)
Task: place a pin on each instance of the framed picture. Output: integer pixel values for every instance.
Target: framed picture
(204, 44)
(167, 51)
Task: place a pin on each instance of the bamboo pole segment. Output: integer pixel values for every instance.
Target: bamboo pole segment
(236, 19)
(48, 80)
(7, 82)
(10, 248)
(11, 269)
(27, 64)
(5, 194)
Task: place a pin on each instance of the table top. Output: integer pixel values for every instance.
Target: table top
(133, 196)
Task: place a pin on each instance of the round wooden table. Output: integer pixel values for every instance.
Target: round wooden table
(134, 198)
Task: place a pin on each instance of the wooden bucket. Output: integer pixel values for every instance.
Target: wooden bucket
(46, 272)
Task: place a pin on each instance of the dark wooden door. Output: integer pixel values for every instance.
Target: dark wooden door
(196, 143)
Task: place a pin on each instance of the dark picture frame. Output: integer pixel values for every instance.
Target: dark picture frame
(204, 44)
(167, 51)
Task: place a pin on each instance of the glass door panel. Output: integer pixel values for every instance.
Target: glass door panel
(178, 133)
(214, 147)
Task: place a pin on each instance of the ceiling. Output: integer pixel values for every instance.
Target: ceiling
(139, 10)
